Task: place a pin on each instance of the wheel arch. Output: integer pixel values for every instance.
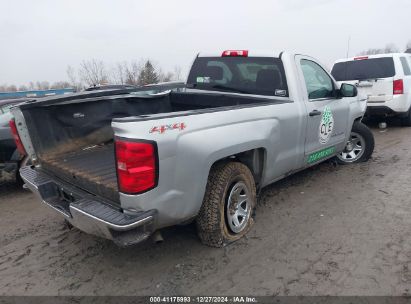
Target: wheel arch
(254, 159)
(358, 119)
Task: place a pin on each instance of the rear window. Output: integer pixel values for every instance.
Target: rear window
(364, 69)
(249, 75)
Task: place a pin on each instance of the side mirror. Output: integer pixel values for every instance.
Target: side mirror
(348, 90)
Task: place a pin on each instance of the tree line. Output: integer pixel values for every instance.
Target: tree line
(95, 72)
(389, 48)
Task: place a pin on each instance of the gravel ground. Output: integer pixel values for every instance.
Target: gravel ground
(329, 230)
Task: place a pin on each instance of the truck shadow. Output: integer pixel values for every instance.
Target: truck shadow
(180, 238)
(390, 121)
(9, 187)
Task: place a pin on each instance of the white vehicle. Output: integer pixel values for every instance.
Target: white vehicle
(384, 79)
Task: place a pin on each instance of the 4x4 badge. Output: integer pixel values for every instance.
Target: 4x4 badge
(162, 129)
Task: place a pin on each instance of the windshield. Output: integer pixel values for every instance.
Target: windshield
(249, 75)
(364, 69)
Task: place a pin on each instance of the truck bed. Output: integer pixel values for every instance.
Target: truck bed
(92, 167)
(73, 138)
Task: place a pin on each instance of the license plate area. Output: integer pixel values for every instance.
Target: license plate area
(66, 195)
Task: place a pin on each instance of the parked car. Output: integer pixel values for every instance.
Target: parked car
(6, 104)
(123, 166)
(10, 157)
(384, 79)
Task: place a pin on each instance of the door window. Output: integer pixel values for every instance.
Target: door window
(319, 84)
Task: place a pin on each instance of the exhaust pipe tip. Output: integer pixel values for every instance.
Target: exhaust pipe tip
(157, 237)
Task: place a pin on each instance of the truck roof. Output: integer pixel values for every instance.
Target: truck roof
(251, 53)
(372, 56)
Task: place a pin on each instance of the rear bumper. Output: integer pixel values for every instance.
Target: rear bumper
(87, 212)
(397, 105)
(373, 111)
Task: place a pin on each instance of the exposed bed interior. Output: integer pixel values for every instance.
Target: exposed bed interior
(92, 167)
(74, 140)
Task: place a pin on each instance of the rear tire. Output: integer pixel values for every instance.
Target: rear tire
(226, 214)
(406, 121)
(360, 146)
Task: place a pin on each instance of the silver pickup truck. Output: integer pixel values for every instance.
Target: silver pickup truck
(122, 165)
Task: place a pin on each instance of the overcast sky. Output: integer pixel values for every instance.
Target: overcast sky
(39, 39)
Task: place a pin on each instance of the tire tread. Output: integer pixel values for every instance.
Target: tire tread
(211, 219)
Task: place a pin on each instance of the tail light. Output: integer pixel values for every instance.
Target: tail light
(16, 137)
(235, 53)
(361, 58)
(136, 166)
(398, 87)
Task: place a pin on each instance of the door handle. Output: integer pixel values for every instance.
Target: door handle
(315, 113)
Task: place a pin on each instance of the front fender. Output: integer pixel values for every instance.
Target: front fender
(358, 106)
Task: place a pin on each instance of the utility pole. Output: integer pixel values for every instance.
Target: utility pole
(348, 46)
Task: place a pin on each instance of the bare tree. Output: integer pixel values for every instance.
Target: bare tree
(93, 72)
(165, 77)
(132, 72)
(178, 73)
(60, 85)
(74, 83)
(42, 85)
(11, 88)
(119, 73)
(389, 48)
(71, 74)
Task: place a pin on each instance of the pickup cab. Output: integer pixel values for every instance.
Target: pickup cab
(122, 165)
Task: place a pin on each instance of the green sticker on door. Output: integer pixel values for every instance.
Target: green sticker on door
(316, 156)
(326, 125)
